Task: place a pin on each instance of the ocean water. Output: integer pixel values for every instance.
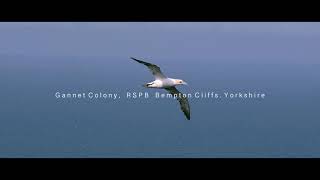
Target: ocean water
(33, 123)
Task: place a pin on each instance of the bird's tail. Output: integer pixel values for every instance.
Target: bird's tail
(147, 84)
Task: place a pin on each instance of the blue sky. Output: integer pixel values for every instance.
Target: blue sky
(245, 41)
(95, 56)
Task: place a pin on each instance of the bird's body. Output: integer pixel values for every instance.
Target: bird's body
(163, 82)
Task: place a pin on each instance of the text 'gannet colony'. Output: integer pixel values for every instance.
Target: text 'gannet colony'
(163, 82)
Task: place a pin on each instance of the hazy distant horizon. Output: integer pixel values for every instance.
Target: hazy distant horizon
(248, 41)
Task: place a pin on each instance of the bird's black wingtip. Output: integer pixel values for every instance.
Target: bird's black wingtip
(136, 60)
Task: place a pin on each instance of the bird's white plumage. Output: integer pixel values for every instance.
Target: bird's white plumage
(161, 81)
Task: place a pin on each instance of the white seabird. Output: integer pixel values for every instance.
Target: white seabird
(163, 82)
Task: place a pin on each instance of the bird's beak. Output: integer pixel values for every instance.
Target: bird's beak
(184, 83)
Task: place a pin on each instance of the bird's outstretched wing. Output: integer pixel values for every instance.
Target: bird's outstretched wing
(155, 70)
(184, 104)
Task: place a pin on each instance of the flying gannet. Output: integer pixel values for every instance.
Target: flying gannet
(163, 82)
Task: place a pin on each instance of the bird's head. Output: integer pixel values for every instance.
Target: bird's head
(180, 82)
